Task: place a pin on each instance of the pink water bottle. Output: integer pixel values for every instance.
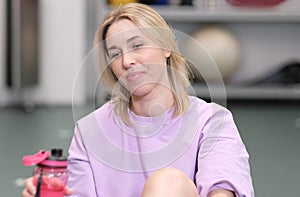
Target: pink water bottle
(51, 175)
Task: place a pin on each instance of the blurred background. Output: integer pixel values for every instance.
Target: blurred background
(44, 86)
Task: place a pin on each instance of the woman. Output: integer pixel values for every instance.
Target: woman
(151, 138)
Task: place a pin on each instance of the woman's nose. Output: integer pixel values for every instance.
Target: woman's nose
(128, 59)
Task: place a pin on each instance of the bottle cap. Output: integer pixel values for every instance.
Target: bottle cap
(56, 159)
(44, 158)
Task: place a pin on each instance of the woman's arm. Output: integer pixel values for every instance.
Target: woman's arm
(222, 157)
(81, 178)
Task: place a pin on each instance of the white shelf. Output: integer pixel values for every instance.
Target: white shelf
(288, 11)
(228, 14)
(274, 92)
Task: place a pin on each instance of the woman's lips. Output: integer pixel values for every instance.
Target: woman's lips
(132, 76)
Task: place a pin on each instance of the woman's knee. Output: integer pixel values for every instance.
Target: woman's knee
(169, 181)
(167, 175)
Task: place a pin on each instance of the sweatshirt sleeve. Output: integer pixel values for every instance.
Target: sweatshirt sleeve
(223, 161)
(81, 179)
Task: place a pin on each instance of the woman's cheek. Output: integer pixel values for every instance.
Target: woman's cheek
(116, 70)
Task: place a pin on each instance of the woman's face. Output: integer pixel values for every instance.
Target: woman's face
(138, 63)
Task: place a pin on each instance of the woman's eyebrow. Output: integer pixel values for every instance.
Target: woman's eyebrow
(133, 38)
(112, 48)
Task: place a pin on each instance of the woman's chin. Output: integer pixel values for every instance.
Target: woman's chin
(142, 90)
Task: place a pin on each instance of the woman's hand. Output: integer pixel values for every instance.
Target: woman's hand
(30, 189)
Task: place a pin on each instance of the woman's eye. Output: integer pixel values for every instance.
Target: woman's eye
(138, 45)
(115, 54)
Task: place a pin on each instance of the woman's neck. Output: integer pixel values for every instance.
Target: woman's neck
(152, 104)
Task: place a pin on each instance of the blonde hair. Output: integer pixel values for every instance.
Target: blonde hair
(178, 69)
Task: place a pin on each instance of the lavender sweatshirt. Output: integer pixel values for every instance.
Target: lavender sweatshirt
(109, 159)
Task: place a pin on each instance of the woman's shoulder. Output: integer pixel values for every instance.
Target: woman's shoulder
(205, 107)
(104, 110)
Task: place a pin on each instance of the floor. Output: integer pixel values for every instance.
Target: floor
(271, 132)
